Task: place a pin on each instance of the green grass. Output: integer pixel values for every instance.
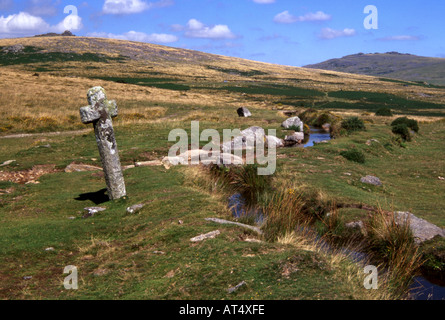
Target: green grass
(115, 252)
(249, 73)
(379, 99)
(409, 175)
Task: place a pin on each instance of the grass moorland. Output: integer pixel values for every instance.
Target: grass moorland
(149, 255)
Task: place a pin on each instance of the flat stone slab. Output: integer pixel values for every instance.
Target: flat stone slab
(91, 211)
(371, 180)
(222, 221)
(235, 288)
(135, 208)
(422, 229)
(75, 167)
(206, 236)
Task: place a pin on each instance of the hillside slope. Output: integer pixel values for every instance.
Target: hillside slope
(44, 81)
(391, 65)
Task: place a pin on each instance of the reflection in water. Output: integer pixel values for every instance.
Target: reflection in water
(317, 135)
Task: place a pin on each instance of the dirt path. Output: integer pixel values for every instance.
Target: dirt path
(26, 135)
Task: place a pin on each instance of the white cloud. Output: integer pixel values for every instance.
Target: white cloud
(132, 6)
(137, 36)
(71, 23)
(317, 16)
(400, 38)
(196, 29)
(286, 17)
(264, 1)
(24, 24)
(328, 33)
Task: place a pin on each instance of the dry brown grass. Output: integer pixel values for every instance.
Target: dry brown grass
(52, 99)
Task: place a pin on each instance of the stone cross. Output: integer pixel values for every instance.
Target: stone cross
(99, 112)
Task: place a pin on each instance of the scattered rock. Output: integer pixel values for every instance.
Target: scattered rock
(221, 221)
(244, 112)
(422, 229)
(371, 180)
(235, 288)
(252, 240)
(357, 225)
(245, 141)
(170, 274)
(6, 163)
(323, 141)
(293, 123)
(100, 272)
(206, 236)
(91, 211)
(172, 161)
(135, 208)
(76, 167)
(369, 142)
(295, 138)
(275, 142)
(152, 163)
(326, 127)
(17, 48)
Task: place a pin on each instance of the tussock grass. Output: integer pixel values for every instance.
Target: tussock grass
(392, 241)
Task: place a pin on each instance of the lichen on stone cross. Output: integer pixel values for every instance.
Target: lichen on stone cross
(97, 98)
(99, 113)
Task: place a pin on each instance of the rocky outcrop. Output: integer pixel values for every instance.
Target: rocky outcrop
(244, 112)
(422, 229)
(295, 138)
(371, 180)
(245, 141)
(293, 123)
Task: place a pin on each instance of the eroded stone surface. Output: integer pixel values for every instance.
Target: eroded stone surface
(99, 112)
(422, 229)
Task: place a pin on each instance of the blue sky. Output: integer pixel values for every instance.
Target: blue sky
(289, 32)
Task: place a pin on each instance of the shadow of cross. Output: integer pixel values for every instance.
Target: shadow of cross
(99, 113)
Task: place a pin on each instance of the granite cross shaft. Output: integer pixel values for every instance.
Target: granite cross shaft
(99, 113)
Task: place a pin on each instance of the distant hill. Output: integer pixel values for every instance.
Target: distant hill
(389, 65)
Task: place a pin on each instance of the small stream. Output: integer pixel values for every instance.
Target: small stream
(421, 289)
(317, 135)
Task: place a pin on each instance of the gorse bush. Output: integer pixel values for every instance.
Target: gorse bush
(410, 123)
(402, 130)
(384, 112)
(353, 124)
(353, 155)
(402, 127)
